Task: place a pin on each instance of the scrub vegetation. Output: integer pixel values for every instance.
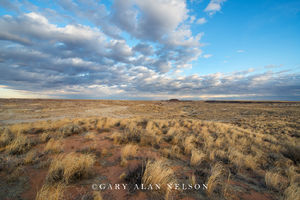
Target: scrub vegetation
(62, 158)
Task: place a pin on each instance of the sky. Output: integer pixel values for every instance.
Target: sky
(150, 49)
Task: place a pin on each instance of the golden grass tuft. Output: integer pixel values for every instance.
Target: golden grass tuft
(104, 152)
(6, 137)
(158, 172)
(217, 179)
(51, 192)
(189, 144)
(128, 151)
(292, 192)
(30, 157)
(45, 137)
(70, 167)
(19, 145)
(90, 136)
(54, 146)
(197, 158)
(116, 137)
(128, 135)
(275, 181)
(97, 195)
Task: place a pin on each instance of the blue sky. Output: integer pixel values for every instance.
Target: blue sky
(150, 49)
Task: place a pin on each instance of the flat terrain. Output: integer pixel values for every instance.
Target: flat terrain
(59, 148)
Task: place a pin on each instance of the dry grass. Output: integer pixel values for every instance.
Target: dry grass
(54, 146)
(45, 137)
(51, 192)
(129, 150)
(15, 174)
(158, 172)
(106, 123)
(70, 167)
(148, 140)
(189, 144)
(30, 157)
(97, 195)
(131, 135)
(6, 137)
(19, 145)
(197, 157)
(90, 136)
(70, 129)
(257, 145)
(104, 152)
(276, 181)
(217, 180)
(292, 192)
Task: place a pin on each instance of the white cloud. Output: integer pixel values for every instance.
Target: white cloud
(207, 55)
(240, 51)
(214, 6)
(192, 19)
(201, 20)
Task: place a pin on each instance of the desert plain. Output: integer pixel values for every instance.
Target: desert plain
(91, 149)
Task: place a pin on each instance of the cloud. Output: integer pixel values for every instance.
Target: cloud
(214, 6)
(95, 59)
(156, 18)
(240, 51)
(201, 20)
(207, 55)
(144, 49)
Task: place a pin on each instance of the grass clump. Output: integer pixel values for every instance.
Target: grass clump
(292, 192)
(216, 181)
(158, 172)
(51, 192)
(6, 137)
(53, 146)
(127, 136)
(275, 181)
(129, 150)
(31, 157)
(70, 129)
(45, 137)
(19, 145)
(197, 158)
(70, 167)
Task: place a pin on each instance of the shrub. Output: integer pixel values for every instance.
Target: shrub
(70, 129)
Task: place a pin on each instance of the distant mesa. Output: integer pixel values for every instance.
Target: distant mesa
(173, 100)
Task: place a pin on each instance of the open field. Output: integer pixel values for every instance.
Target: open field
(57, 149)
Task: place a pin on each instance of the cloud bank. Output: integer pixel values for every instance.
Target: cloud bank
(132, 50)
